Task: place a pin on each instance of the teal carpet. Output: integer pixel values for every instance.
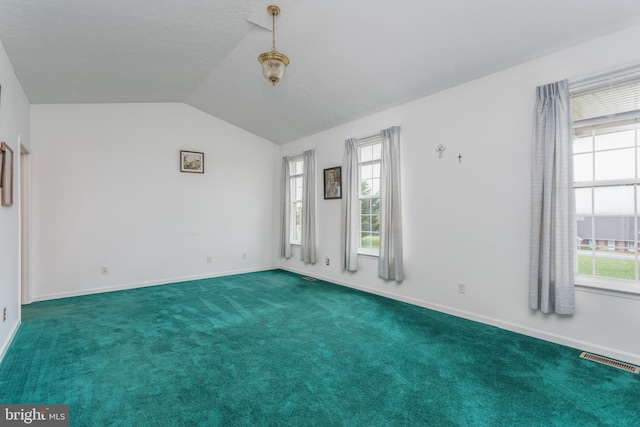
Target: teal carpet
(271, 349)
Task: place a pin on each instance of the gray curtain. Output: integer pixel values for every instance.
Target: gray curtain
(308, 240)
(285, 214)
(551, 273)
(390, 260)
(350, 195)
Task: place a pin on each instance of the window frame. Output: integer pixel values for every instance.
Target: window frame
(293, 179)
(597, 125)
(364, 143)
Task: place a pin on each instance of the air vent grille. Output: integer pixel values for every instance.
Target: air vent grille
(610, 362)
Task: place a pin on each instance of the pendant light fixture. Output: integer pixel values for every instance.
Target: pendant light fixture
(273, 62)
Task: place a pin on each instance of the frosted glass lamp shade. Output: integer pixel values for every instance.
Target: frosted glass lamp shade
(274, 65)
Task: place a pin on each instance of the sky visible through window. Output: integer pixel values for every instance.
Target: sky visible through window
(608, 156)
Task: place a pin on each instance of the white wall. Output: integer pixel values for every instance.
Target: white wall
(14, 130)
(469, 222)
(107, 191)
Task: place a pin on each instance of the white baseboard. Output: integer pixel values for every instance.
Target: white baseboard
(125, 286)
(513, 327)
(7, 342)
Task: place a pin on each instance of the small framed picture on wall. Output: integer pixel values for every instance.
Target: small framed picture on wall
(333, 183)
(191, 161)
(6, 174)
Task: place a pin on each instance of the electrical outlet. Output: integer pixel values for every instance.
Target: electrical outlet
(326, 260)
(209, 260)
(104, 270)
(4, 314)
(462, 288)
(244, 256)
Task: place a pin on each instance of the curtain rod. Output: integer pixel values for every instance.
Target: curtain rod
(369, 137)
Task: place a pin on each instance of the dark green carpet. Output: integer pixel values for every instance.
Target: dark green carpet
(272, 349)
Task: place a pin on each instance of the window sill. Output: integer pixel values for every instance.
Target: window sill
(369, 254)
(615, 287)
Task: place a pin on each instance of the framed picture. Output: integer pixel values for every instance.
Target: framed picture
(333, 183)
(191, 161)
(6, 174)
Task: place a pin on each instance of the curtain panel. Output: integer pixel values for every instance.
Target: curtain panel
(350, 209)
(553, 249)
(308, 238)
(390, 259)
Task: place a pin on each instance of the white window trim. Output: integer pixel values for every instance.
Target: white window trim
(607, 286)
(369, 252)
(292, 220)
(364, 142)
(603, 285)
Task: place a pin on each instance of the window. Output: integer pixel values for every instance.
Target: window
(296, 168)
(606, 122)
(369, 155)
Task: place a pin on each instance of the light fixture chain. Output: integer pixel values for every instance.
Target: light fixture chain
(273, 32)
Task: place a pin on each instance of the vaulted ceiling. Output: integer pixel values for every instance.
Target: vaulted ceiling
(349, 59)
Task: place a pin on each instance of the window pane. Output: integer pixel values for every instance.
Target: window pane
(365, 223)
(375, 240)
(612, 138)
(614, 226)
(375, 187)
(584, 231)
(583, 202)
(375, 223)
(365, 188)
(370, 241)
(365, 240)
(617, 164)
(377, 151)
(613, 201)
(366, 172)
(297, 230)
(365, 206)
(375, 214)
(375, 206)
(582, 145)
(366, 154)
(583, 167)
(615, 266)
(375, 170)
(295, 167)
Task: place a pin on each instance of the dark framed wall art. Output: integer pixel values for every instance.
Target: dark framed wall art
(191, 161)
(333, 183)
(6, 174)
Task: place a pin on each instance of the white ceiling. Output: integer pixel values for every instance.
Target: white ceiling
(349, 59)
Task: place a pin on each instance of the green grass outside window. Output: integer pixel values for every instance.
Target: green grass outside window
(614, 268)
